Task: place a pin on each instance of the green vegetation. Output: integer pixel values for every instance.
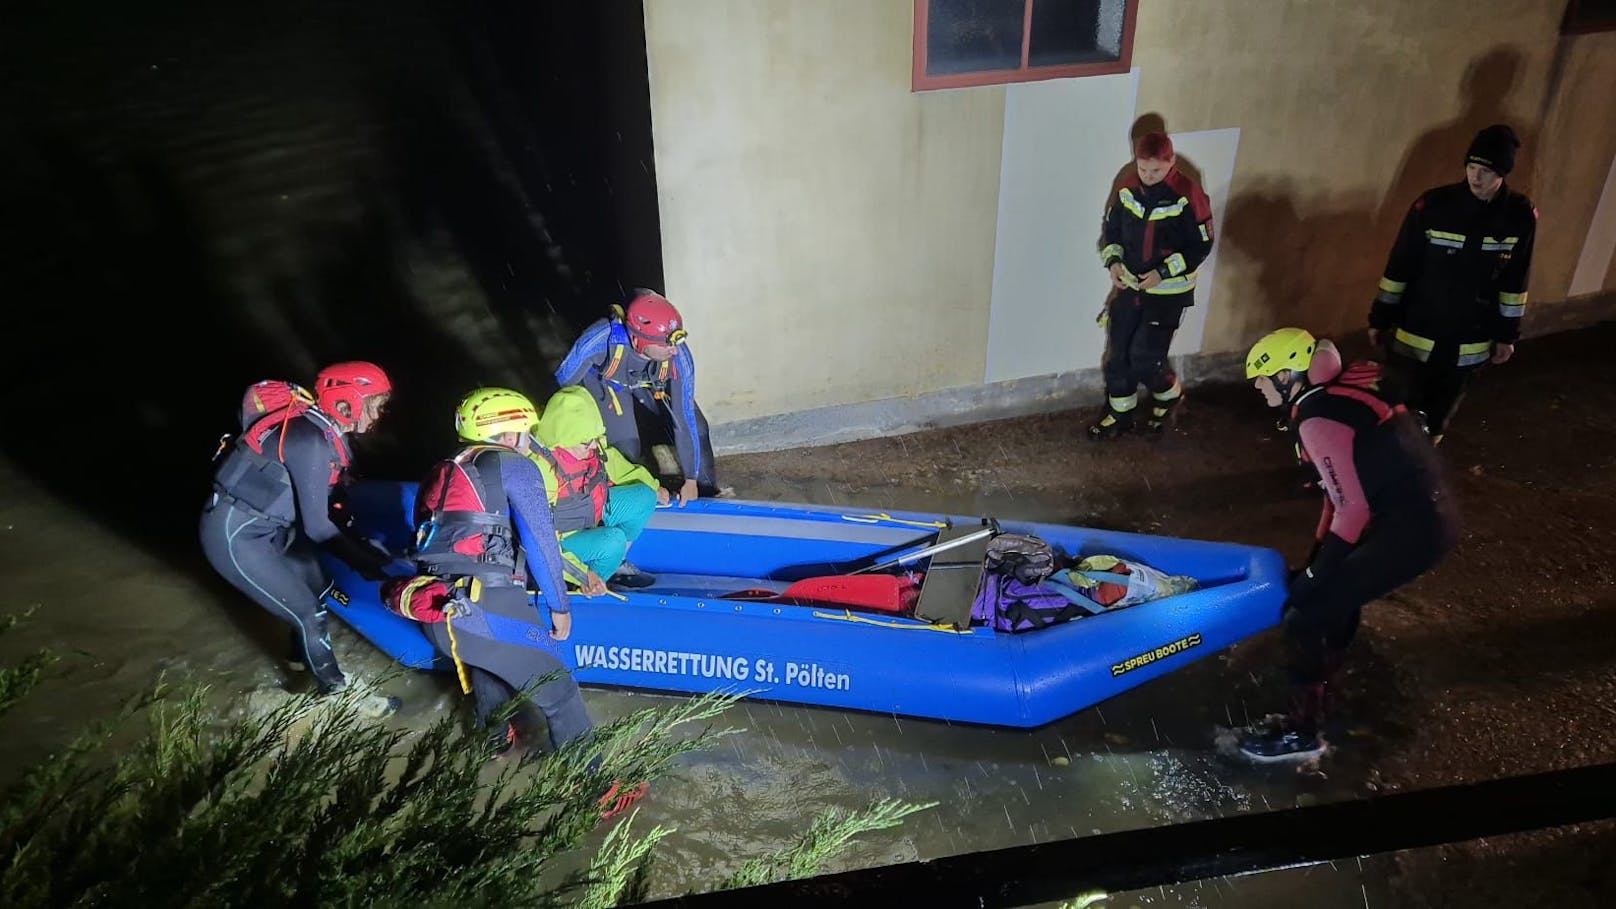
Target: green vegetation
(309, 806)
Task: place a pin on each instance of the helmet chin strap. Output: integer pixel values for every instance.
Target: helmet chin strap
(1292, 388)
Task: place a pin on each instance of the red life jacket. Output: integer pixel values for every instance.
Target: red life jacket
(581, 489)
(257, 480)
(462, 518)
(1359, 382)
(272, 404)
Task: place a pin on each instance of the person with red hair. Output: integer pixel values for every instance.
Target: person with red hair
(1158, 230)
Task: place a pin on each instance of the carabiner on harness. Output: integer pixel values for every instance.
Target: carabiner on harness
(425, 533)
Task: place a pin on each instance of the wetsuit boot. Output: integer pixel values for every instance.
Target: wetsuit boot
(1295, 737)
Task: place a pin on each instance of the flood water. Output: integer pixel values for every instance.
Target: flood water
(122, 615)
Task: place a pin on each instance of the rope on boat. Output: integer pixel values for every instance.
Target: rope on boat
(848, 616)
(883, 516)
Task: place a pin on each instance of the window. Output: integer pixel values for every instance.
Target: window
(993, 42)
(1589, 16)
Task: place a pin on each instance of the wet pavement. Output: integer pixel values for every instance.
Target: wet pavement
(324, 182)
(1496, 663)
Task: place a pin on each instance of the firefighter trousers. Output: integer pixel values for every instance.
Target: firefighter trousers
(1137, 340)
(1433, 389)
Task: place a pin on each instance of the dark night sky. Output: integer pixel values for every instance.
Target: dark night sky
(197, 195)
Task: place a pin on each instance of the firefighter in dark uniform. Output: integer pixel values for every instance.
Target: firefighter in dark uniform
(1388, 517)
(1455, 284)
(637, 365)
(270, 510)
(1158, 230)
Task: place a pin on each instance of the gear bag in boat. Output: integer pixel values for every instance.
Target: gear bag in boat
(1020, 589)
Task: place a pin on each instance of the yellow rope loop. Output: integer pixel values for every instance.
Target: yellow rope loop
(454, 651)
(848, 616)
(883, 516)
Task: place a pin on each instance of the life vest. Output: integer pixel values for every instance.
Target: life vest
(462, 518)
(1359, 382)
(257, 480)
(581, 492)
(273, 396)
(618, 344)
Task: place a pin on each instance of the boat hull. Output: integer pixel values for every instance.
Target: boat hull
(684, 636)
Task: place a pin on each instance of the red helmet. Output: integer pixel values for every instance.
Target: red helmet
(651, 319)
(352, 382)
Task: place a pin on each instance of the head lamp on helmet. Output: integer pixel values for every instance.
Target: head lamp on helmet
(486, 413)
(652, 320)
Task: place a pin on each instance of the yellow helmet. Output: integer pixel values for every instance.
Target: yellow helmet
(487, 412)
(1286, 348)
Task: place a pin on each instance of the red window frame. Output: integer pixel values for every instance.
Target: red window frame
(922, 82)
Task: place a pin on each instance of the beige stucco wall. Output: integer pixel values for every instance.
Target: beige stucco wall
(828, 233)
(812, 203)
(1347, 111)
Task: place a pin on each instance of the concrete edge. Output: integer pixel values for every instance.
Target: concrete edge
(1034, 395)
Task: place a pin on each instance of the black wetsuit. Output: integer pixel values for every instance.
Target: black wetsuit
(1388, 518)
(268, 512)
(638, 385)
(495, 494)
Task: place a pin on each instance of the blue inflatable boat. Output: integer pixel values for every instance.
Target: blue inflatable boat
(689, 632)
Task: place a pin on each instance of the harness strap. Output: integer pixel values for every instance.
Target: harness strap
(240, 505)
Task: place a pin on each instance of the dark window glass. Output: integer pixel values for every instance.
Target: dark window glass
(1590, 16)
(972, 36)
(1065, 32)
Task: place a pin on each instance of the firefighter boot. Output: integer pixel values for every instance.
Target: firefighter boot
(1110, 426)
(1162, 405)
(1118, 418)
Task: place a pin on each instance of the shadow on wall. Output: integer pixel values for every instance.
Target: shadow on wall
(1316, 257)
(1436, 156)
(1295, 245)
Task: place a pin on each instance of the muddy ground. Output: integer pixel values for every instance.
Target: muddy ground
(1497, 663)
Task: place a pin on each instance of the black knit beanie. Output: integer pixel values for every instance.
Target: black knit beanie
(1495, 148)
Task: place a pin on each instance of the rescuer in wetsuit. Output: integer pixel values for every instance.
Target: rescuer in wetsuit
(635, 363)
(477, 515)
(269, 513)
(1388, 516)
(483, 514)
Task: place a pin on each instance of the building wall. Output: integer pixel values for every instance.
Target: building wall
(828, 233)
(831, 234)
